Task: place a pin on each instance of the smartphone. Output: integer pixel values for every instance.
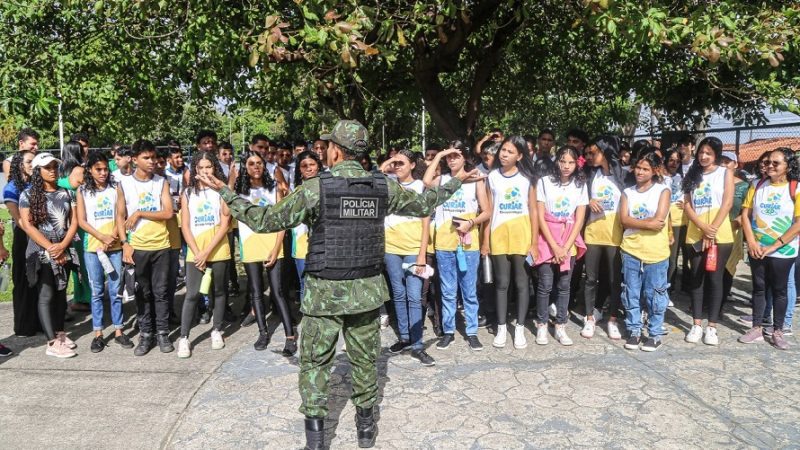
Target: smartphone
(529, 259)
(457, 221)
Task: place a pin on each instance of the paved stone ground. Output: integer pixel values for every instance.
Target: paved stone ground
(593, 394)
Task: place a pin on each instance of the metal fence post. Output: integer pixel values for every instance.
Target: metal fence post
(738, 135)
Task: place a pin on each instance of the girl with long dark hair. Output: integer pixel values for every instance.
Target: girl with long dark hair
(72, 173)
(562, 201)
(205, 219)
(708, 197)
(456, 240)
(406, 243)
(48, 217)
(26, 316)
(771, 213)
(510, 235)
(263, 250)
(96, 212)
(645, 252)
(603, 233)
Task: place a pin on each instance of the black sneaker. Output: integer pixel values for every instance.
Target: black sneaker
(262, 342)
(164, 344)
(289, 348)
(444, 342)
(145, 344)
(229, 316)
(482, 321)
(424, 358)
(248, 320)
(633, 342)
(474, 344)
(205, 318)
(123, 341)
(5, 352)
(98, 344)
(651, 345)
(399, 347)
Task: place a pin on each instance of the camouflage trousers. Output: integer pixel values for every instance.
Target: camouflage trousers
(318, 348)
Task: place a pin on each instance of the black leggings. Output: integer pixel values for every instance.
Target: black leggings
(255, 289)
(602, 259)
(53, 303)
(707, 286)
(772, 272)
(503, 265)
(218, 296)
(679, 239)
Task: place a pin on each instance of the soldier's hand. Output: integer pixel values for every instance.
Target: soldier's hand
(471, 176)
(210, 181)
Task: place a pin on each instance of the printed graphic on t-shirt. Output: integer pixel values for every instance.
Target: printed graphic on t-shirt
(147, 202)
(511, 202)
(604, 196)
(771, 205)
(561, 207)
(456, 203)
(702, 195)
(103, 208)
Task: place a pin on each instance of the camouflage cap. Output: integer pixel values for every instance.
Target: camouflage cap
(350, 135)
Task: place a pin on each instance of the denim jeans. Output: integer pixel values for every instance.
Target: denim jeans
(407, 298)
(791, 292)
(452, 279)
(638, 277)
(97, 281)
(301, 268)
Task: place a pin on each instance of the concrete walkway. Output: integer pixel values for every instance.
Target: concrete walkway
(593, 394)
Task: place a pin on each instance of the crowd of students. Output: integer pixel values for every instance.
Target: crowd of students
(594, 219)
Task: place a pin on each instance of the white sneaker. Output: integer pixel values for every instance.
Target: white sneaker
(671, 304)
(500, 338)
(694, 335)
(184, 350)
(561, 335)
(217, 343)
(588, 329)
(553, 310)
(710, 336)
(384, 321)
(613, 331)
(541, 334)
(519, 337)
(597, 314)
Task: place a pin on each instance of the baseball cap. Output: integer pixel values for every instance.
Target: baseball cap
(349, 134)
(731, 156)
(43, 159)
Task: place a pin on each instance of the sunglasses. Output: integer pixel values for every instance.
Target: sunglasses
(773, 163)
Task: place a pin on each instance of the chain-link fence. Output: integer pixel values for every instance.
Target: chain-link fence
(748, 142)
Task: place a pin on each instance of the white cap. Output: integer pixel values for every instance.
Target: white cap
(43, 159)
(731, 156)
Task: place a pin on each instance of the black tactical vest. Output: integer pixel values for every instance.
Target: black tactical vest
(347, 241)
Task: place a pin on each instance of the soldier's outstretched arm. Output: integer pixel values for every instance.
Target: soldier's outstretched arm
(409, 203)
(285, 215)
(288, 213)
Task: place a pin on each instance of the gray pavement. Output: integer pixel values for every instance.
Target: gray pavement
(593, 394)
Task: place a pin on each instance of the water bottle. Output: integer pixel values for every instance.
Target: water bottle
(486, 262)
(427, 273)
(105, 262)
(711, 258)
(205, 283)
(461, 258)
(5, 277)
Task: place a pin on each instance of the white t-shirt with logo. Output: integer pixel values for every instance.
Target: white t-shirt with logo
(101, 209)
(511, 223)
(561, 200)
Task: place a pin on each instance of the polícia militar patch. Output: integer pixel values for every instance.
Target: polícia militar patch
(358, 208)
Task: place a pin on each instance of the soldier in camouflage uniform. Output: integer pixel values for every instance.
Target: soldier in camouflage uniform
(331, 305)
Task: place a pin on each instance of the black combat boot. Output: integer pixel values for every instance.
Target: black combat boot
(164, 344)
(315, 433)
(366, 429)
(145, 344)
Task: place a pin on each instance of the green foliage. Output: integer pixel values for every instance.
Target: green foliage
(128, 68)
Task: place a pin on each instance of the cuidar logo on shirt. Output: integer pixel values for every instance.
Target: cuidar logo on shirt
(605, 197)
(204, 214)
(456, 202)
(260, 200)
(103, 209)
(702, 195)
(512, 201)
(147, 202)
(771, 205)
(561, 207)
(640, 211)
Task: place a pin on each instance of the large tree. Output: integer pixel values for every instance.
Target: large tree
(130, 66)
